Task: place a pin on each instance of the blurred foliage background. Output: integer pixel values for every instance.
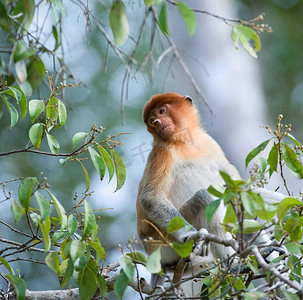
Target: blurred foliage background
(281, 58)
(98, 99)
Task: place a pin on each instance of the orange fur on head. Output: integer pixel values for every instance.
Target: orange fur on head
(177, 107)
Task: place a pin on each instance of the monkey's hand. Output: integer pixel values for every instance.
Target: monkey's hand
(201, 247)
(184, 235)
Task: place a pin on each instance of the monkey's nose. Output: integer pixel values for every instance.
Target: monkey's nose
(156, 122)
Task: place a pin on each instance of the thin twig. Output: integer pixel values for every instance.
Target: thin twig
(188, 73)
(14, 229)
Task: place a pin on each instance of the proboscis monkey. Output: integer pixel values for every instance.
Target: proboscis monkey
(183, 163)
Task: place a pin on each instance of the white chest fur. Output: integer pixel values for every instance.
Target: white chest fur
(187, 177)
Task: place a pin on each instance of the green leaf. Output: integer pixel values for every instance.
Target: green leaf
(292, 162)
(25, 191)
(249, 226)
(293, 247)
(52, 144)
(121, 284)
(20, 97)
(252, 154)
(127, 266)
(7, 265)
(188, 16)
(237, 283)
(226, 177)
(175, 224)
(22, 51)
(44, 206)
(52, 110)
(185, 249)
(244, 34)
(88, 285)
(72, 224)
(87, 180)
(216, 190)
(285, 205)
(57, 36)
(18, 284)
(17, 210)
(290, 296)
(118, 22)
(66, 272)
(214, 290)
(35, 71)
(77, 248)
(99, 249)
(162, 19)
(273, 158)
(90, 225)
(120, 169)
(102, 286)
(149, 2)
(78, 137)
(262, 162)
(80, 263)
(98, 162)
(1, 107)
(62, 113)
(291, 224)
(12, 112)
(45, 227)
(65, 248)
(294, 139)
(211, 209)
(60, 210)
(35, 134)
(153, 264)
(263, 210)
(52, 261)
(138, 257)
(26, 9)
(35, 108)
(248, 201)
(4, 19)
(230, 215)
(108, 161)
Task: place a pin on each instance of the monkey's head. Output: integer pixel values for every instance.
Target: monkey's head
(168, 115)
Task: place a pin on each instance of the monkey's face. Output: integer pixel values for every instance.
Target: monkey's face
(160, 122)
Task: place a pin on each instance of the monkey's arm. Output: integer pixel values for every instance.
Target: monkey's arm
(161, 211)
(196, 204)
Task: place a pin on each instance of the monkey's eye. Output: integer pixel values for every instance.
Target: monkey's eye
(162, 110)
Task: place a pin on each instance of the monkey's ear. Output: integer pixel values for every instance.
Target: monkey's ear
(188, 99)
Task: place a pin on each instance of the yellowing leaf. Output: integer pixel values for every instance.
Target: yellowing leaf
(35, 134)
(245, 34)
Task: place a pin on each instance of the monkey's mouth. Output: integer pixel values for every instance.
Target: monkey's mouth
(163, 129)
